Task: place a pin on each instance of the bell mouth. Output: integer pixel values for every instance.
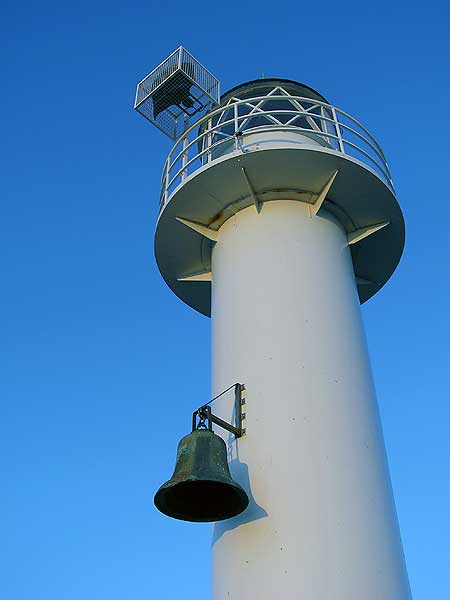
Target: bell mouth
(201, 501)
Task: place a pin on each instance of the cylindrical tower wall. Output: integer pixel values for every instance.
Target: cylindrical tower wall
(286, 322)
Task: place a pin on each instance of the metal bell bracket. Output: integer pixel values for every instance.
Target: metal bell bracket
(203, 417)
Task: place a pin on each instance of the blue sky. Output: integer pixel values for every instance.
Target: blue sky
(94, 345)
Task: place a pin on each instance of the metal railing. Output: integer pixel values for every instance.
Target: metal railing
(223, 132)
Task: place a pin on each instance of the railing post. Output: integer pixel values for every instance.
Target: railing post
(164, 179)
(325, 125)
(184, 158)
(166, 182)
(236, 127)
(209, 141)
(338, 130)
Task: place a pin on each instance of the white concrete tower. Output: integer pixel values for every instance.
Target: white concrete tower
(278, 219)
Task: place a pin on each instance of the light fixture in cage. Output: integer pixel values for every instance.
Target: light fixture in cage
(174, 94)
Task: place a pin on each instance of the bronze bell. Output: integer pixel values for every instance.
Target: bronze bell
(201, 488)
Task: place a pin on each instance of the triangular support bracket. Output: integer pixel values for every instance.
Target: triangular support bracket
(362, 281)
(258, 204)
(314, 208)
(203, 230)
(359, 234)
(201, 276)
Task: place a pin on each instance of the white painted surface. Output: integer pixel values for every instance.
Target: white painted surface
(286, 322)
(258, 140)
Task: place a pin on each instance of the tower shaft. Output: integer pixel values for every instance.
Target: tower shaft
(278, 217)
(286, 321)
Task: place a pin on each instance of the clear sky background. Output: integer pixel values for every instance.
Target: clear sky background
(101, 365)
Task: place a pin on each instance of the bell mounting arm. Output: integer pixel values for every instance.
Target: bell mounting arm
(203, 418)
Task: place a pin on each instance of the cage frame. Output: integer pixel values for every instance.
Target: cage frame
(209, 98)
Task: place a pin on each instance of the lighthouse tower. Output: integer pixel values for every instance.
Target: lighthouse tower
(278, 219)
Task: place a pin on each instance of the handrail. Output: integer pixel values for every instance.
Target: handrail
(248, 101)
(330, 127)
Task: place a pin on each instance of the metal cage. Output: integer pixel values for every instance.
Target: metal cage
(174, 94)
